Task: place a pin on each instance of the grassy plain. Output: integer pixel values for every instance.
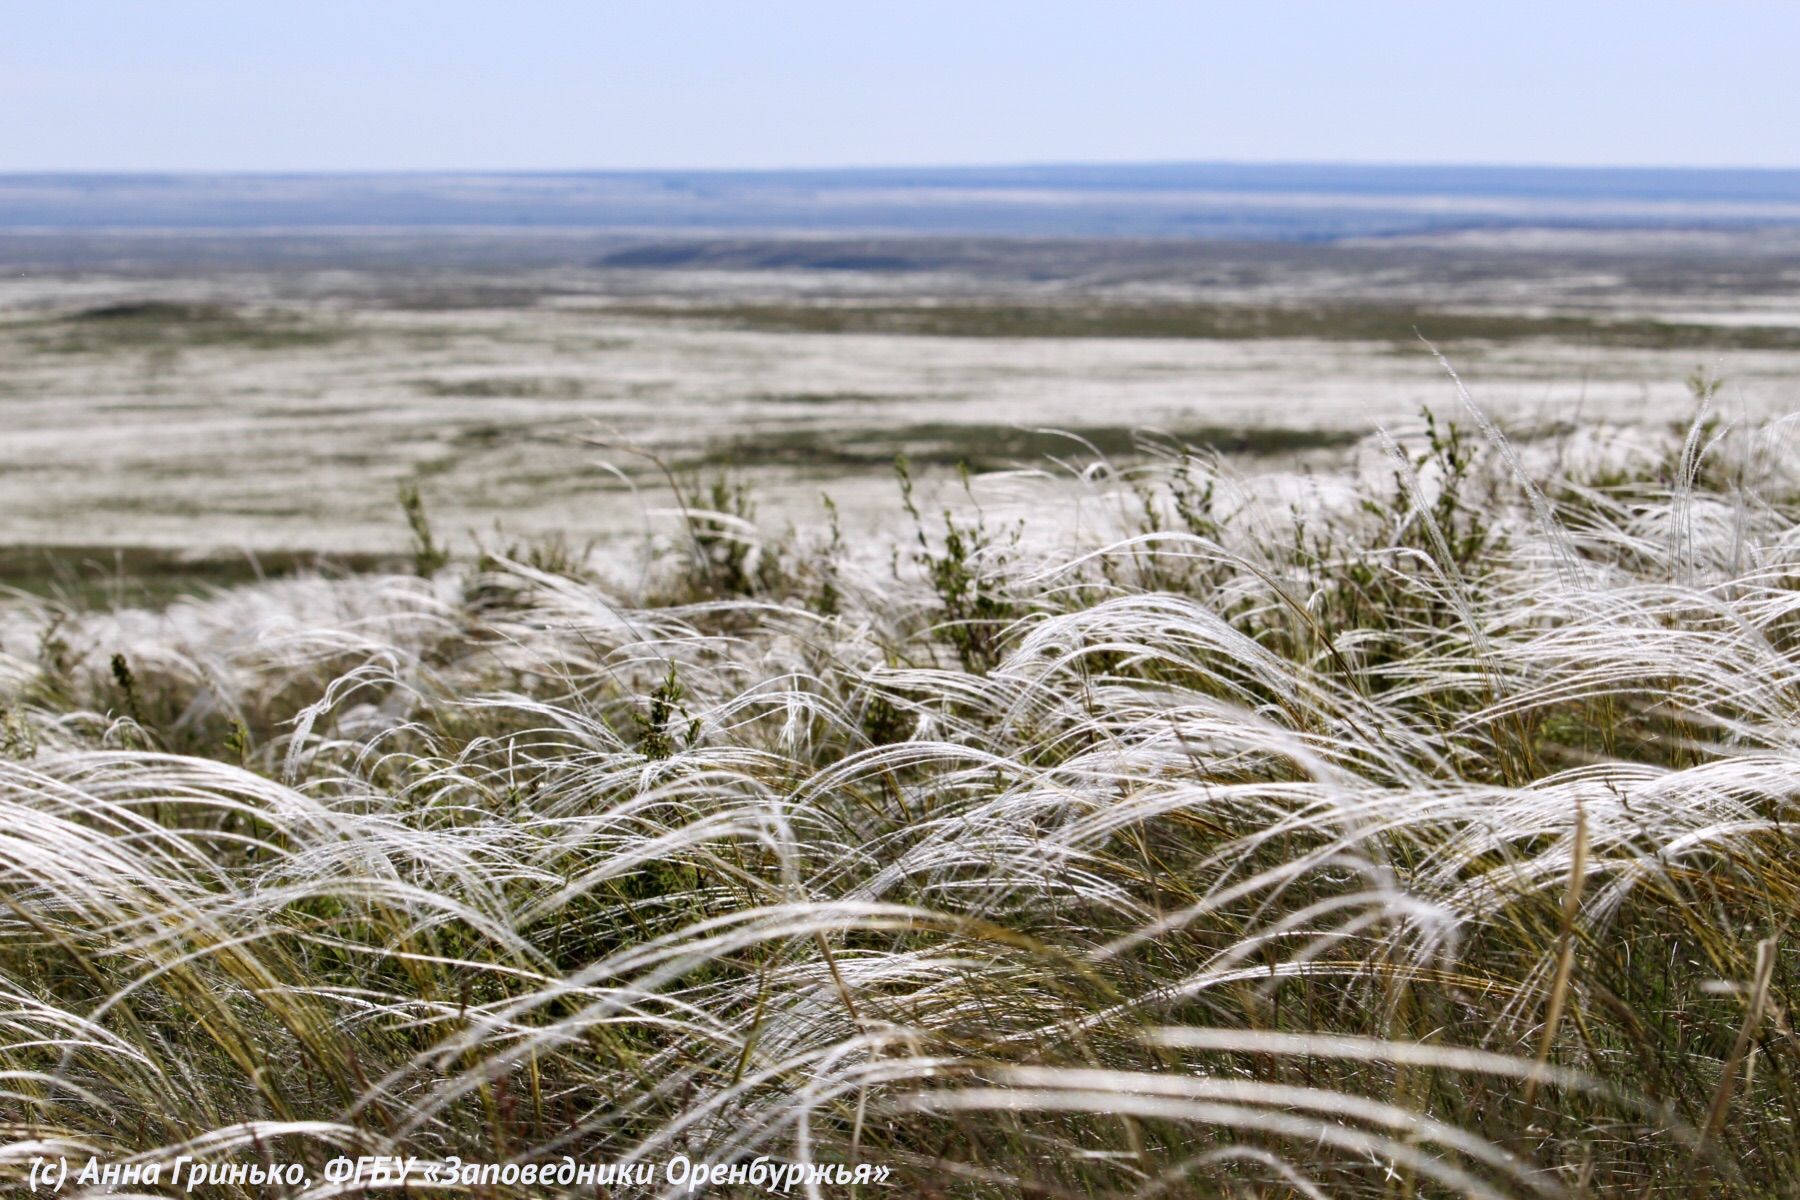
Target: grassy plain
(1363, 814)
(218, 398)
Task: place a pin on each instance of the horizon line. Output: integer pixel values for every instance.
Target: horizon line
(891, 168)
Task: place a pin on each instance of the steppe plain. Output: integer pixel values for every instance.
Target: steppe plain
(204, 403)
(1287, 829)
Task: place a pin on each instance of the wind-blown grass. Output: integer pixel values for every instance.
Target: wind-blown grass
(1425, 830)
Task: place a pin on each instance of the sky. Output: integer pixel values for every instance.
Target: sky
(324, 85)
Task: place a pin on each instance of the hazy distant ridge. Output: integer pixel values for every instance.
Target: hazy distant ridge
(1281, 202)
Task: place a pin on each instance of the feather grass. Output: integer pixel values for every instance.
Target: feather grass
(1425, 831)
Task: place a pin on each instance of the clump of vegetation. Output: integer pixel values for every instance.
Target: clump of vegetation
(719, 552)
(721, 519)
(967, 575)
(1398, 323)
(428, 556)
(996, 447)
(166, 327)
(1425, 830)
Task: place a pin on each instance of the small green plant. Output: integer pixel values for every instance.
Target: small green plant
(721, 511)
(963, 575)
(660, 733)
(237, 742)
(133, 731)
(1196, 500)
(827, 599)
(724, 554)
(126, 681)
(1704, 385)
(18, 741)
(428, 557)
(1434, 501)
(550, 553)
(1449, 456)
(56, 663)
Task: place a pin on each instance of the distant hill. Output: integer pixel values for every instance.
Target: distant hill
(1296, 202)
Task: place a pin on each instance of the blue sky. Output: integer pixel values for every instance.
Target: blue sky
(547, 84)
